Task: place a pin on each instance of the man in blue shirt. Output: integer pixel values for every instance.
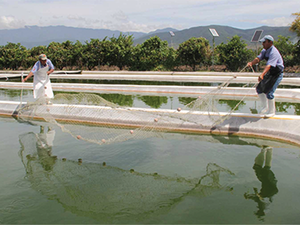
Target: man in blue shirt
(270, 77)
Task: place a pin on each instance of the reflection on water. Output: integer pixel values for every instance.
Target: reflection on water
(105, 193)
(262, 168)
(139, 82)
(154, 101)
(191, 184)
(44, 144)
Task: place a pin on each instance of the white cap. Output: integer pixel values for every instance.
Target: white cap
(267, 37)
(42, 57)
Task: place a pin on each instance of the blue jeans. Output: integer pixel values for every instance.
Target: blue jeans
(270, 94)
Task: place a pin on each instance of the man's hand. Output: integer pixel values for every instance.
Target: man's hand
(254, 62)
(27, 77)
(50, 71)
(266, 70)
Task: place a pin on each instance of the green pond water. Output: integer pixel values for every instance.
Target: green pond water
(178, 179)
(49, 177)
(166, 102)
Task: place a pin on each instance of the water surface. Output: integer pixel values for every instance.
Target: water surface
(167, 102)
(176, 179)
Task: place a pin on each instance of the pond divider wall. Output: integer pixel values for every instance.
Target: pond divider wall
(280, 127)
(289, 95)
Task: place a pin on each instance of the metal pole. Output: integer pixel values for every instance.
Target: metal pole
(213, 50)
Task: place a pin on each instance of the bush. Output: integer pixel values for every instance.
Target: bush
(194, 51)
(234, 55)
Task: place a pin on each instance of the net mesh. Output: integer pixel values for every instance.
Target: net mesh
(91, 118)
(109, 192)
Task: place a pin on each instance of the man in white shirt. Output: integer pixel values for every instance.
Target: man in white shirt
(41, 81)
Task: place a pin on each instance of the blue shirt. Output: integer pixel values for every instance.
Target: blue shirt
(273, 57)
(39, 65)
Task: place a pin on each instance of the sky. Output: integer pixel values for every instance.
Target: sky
(146, 15)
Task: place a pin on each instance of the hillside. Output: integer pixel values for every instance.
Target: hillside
(225, 33)
(31, 36)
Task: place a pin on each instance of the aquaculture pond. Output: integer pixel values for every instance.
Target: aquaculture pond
(49, 177)
(248, 105)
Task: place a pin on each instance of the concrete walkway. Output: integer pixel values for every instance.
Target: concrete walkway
(192, 77)
(279, 127)
(289, 95)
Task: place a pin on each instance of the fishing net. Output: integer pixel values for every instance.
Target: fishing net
(91, 118)
(99, 190)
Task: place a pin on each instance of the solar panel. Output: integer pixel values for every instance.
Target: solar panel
(256, 35)
(213, 32)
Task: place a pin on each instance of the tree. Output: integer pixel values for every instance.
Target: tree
(296, 53)
(295, 27)
(234, 54)
(120, 51)
(13, 56)
(194, 51)
(93, 54)
(78, 50)
(34, 53)
(60, 54)
(68, 51)
(171, 60)
(285, 47)
(149, 55)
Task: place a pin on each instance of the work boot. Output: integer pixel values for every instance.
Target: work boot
(264, 103)
(272, 109)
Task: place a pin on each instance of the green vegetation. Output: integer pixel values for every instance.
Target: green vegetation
(150, 55)
(295, 27)
(195, 51)
(234, 54)
(153, 54)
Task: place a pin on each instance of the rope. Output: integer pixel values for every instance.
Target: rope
(21, 97)
(237, 105)
(254, 86)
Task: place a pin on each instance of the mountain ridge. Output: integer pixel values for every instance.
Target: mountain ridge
(225, 33)
(31, 36)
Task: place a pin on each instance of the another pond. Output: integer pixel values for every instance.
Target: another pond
(166, 102)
